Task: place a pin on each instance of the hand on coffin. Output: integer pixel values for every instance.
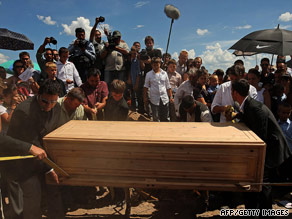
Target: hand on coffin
(53, 175)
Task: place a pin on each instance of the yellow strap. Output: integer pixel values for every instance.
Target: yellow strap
(16, 157)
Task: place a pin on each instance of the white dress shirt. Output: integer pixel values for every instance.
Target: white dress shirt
(223, 97)
(158, 83)
(68, 71)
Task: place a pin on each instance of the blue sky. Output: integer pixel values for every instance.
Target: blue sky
(205, 28)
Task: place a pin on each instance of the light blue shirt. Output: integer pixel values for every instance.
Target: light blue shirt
(287, 130)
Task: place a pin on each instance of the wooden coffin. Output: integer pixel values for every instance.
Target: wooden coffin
(158, 155)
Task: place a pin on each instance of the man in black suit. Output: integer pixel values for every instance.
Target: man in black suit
(31, 121)
(261, 121)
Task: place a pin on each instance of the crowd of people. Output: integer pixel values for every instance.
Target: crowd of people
(97, 80)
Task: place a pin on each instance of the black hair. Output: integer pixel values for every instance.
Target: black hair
(23, 53)
(241, 87)
(219, 72)
(148, 38)
(265, 60)
(50, 86)
(49, 49)
(93, 72)
(79, 30)
(237, 70)
(187, 102)
(255, 72)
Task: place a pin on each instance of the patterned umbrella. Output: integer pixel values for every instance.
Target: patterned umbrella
(14, 41)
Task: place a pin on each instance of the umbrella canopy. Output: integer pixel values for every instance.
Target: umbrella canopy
(273, 41)
(14, 41)
(9, 66)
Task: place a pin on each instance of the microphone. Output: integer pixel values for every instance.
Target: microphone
(171, 12)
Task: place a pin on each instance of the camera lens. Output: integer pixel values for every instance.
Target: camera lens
(101, 19)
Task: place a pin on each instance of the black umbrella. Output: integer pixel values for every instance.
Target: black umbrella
(14, 41)
(273, 41)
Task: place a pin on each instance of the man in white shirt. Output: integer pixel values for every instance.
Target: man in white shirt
(66, 70)
(181, 66)
(223, 97)
(160, 91)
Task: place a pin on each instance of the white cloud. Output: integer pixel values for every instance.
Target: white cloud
(243, 27)
(202, 32)
(215, 57)
(85, 24)
(141, 4)
(139, 26)
(285, 17)
(285, 26)
(3, 58)
(174, 56)
(47, 20)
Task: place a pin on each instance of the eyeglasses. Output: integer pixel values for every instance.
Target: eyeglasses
(19, 66)
(45, 101)
(264, 64)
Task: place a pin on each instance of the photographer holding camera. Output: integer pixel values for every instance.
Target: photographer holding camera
(115, 52)
(44, 54)
(98, 43)
(82, 53)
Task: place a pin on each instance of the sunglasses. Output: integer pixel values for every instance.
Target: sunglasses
(264, 64)
(45, 101)
(19, 66)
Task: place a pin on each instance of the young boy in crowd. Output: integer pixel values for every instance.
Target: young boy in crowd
(284, 112)
(175, 81)
(213, 86)
(160, 91)
(116, 108)
(196, 111)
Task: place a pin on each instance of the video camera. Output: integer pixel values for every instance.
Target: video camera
(112, 41)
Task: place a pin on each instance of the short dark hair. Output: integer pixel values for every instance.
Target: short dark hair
(238, 62)
(24, 53)
(118, 86)
(255, 72)
(93, 72)
(50, 86)
(201, 72)
(241, 87)
(219, 72)
(63, 50)
(187, 102)
(265, 60)
(136, 42)
(79, 30)
(49, 49)
(237, 70)
(76, 93)
(148, 38)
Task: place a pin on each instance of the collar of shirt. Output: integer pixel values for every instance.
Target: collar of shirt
(286, 122)
(241, 108)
